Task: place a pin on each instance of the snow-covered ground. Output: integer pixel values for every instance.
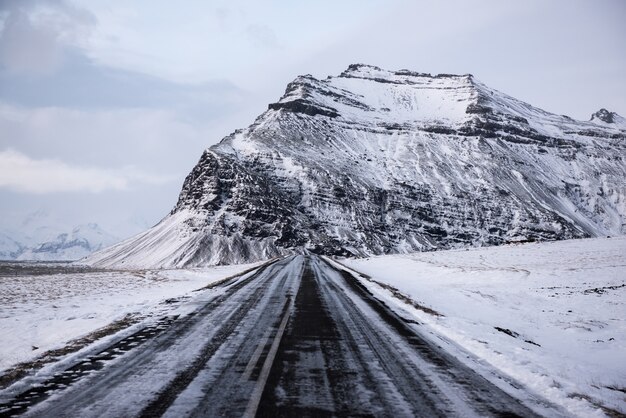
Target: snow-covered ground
(550, 315)
(44, 312)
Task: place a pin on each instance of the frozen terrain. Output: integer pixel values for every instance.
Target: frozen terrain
(550, 315)
(540, 321)
(45, 306)
(294, 337)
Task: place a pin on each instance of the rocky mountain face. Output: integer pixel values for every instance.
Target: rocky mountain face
(375, 161)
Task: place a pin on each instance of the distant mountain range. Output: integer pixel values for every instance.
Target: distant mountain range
(54, 245)
(375, 161)
(41, 236)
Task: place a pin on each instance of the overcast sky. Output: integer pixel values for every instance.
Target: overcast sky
(106, 105)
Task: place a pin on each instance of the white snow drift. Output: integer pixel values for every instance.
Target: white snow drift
(550, 315)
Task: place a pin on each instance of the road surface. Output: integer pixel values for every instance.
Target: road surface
(297, 337)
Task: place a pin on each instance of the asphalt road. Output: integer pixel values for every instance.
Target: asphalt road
(298, 337)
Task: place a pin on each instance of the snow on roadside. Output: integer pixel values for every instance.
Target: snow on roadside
(550, 315)
(44, 312)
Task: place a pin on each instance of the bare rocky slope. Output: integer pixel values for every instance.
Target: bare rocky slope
(375, 161)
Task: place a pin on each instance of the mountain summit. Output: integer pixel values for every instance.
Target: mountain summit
(375, 161)
(606, 116)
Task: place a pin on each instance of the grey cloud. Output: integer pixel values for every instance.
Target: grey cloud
(82, 84)
(28, 49)
(35, 33)
(27, 175)
(134, 157)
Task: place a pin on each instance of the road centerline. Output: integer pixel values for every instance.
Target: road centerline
(255, 398)
(256, 355)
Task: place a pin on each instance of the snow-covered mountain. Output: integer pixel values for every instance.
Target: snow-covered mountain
(53, 242)
(376, 161)
(10, 249)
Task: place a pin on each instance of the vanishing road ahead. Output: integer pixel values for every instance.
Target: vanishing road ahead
(297, 337)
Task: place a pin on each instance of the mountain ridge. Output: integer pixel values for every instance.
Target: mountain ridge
(375, 161)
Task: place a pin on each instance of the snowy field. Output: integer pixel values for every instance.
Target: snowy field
(550, 315)
(45, 307)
